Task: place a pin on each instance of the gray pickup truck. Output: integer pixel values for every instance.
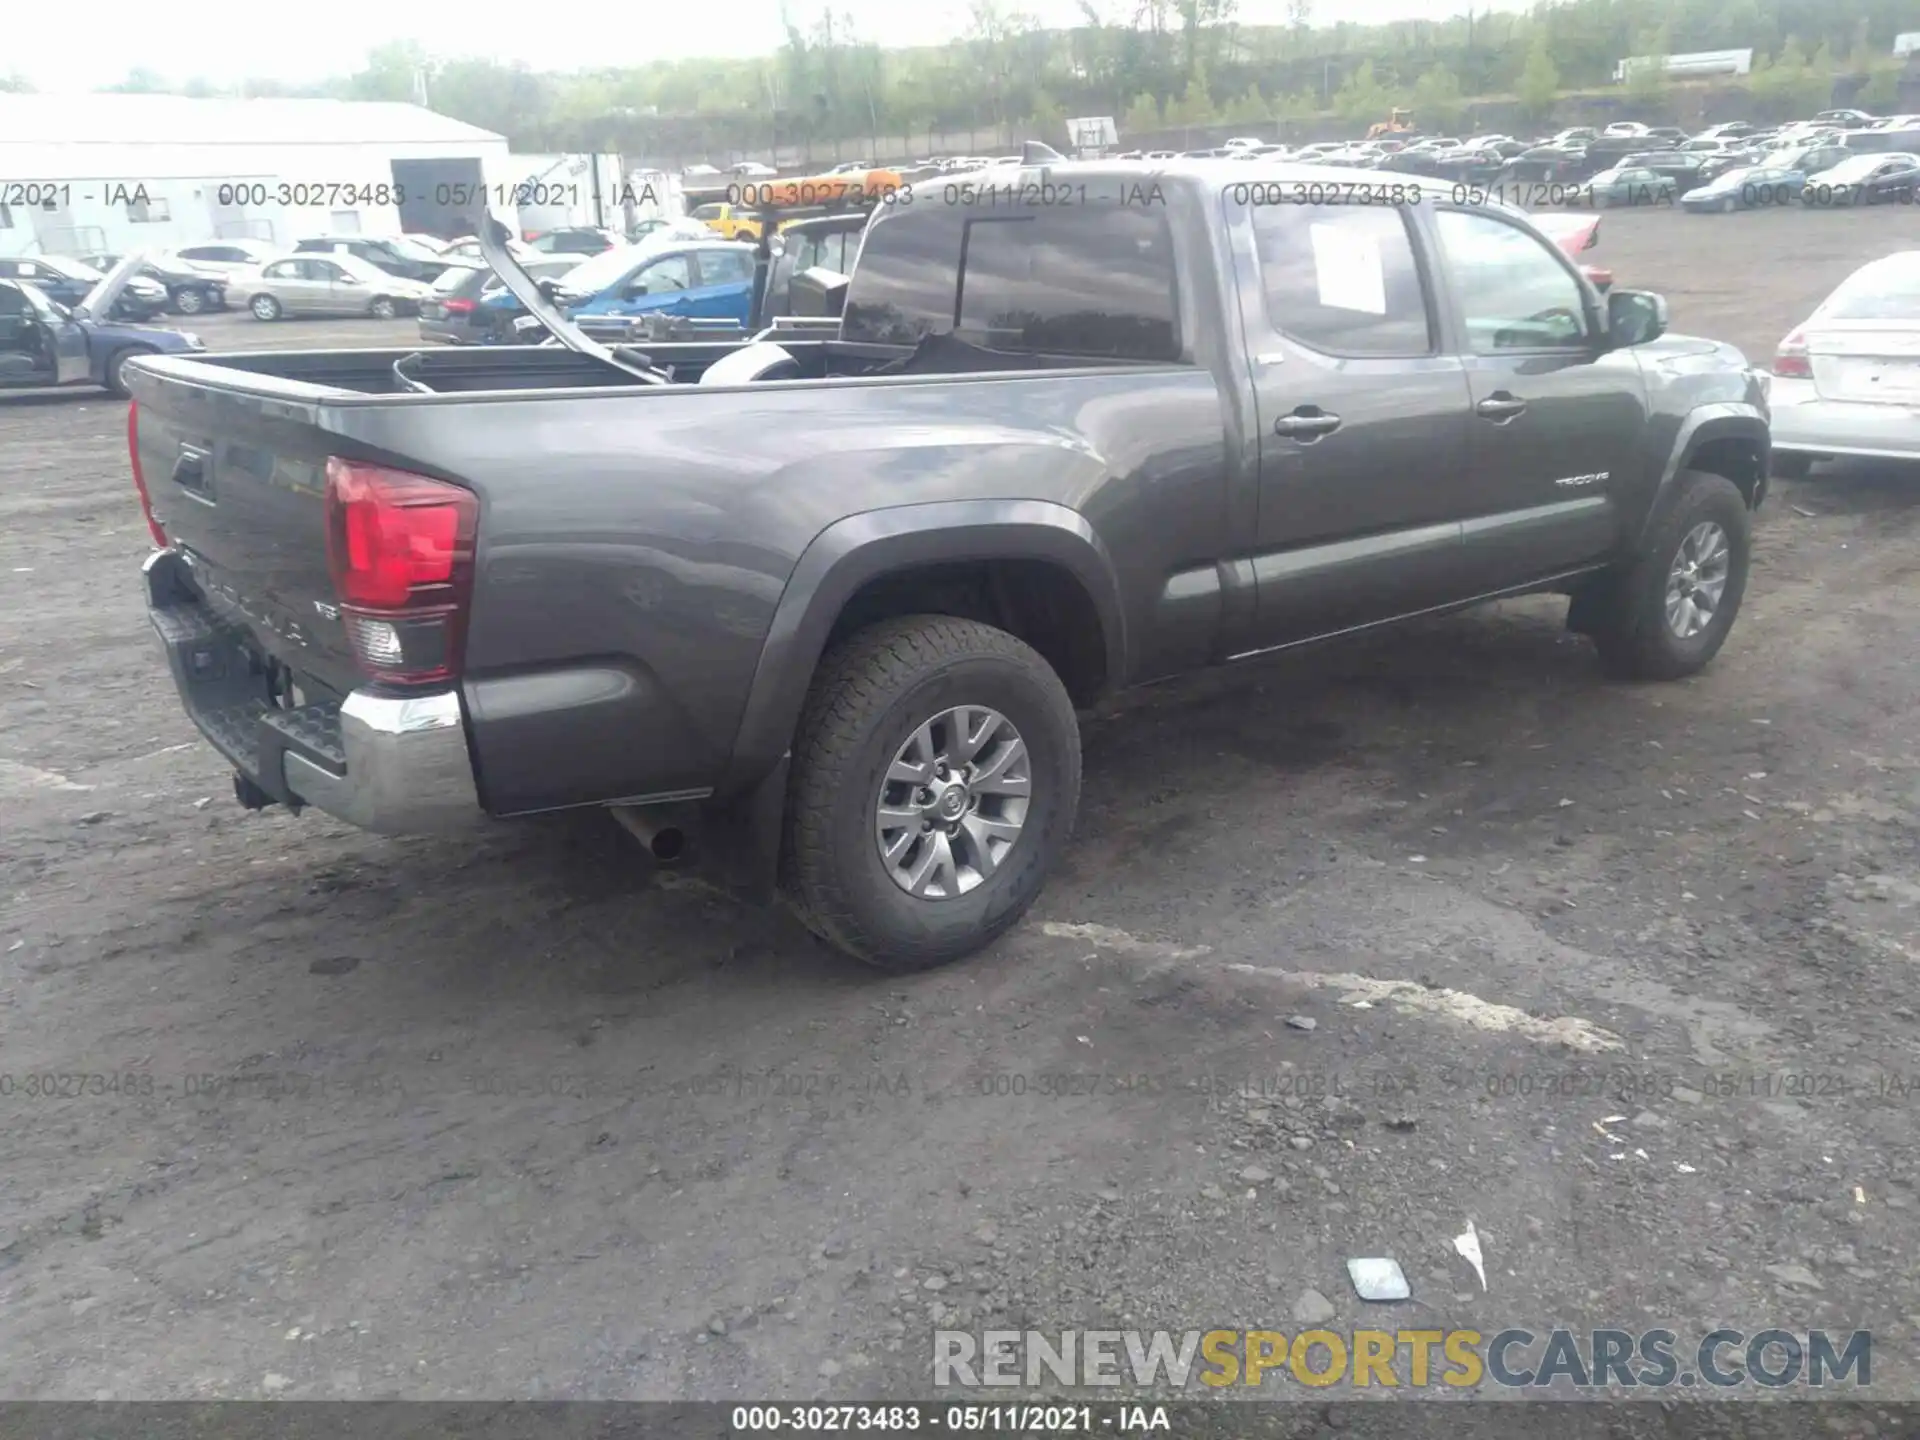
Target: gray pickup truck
(835, 602)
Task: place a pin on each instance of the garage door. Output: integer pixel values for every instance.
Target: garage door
(440, 195)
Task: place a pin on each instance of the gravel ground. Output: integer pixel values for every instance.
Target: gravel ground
(529, 1119)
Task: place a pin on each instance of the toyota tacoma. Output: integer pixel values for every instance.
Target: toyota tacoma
(837, 599)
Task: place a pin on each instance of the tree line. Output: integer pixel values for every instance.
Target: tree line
(1152, 64)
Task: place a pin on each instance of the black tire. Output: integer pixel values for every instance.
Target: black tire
(265, 307)
(383, 308)
(116, 362)
(869, 695)
(189, 302)
(1791, 464)
(1629, 613)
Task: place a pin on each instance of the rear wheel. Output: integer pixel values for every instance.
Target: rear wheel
(189, 302)
(383, 308)
(935, 778)
(265, 307)
(1667, 615)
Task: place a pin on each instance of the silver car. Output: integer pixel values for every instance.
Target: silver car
(325, 285)
(1846, 381)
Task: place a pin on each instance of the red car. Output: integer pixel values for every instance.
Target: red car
(1576, 234)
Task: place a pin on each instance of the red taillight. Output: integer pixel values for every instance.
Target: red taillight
(139, 477)
(1791, 357)
(400, 548)
(457, 307)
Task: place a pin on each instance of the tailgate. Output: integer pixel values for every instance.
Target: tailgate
(1867, 363)
(238, 483)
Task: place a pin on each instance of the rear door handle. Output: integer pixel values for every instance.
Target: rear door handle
(1500, 407)
(1306, 425)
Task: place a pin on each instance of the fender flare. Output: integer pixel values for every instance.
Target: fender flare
(1704, 424)
(851, 552)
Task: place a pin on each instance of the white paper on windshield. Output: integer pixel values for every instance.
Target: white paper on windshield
(1349, 270)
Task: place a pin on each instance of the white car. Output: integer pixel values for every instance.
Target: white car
(325, 284)
(1625, 127)
(754, 170)
(467, 250)
(1846, 380)
(1241, 142)
(229, 257)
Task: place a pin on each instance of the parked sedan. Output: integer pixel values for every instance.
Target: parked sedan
(325, 285)
(1866, 180)
(190, 290)
(1752, 187)
(1847, 379)
(466, 251)
(1628, 185)
(395, 254)
(46, 343)
(228, 257)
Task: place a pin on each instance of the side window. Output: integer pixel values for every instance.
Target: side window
(1096, 281)
(669, 273)
(1515, 293)
(1342, 279)
(903, 291)
(725, 267)
(12, 303)
(806, 255)
(285, 270)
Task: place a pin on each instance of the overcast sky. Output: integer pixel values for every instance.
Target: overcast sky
(230, 40)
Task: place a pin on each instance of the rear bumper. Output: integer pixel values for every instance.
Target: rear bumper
(394, 765)
(1802, 422)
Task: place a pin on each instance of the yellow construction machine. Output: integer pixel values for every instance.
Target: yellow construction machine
(1399, 123)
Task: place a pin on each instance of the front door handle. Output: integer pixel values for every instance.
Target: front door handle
(1500, 407)
(1306, 424)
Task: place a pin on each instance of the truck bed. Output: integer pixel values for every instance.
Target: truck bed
(507, 369)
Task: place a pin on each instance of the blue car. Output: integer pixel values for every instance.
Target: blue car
(43, 342)
(698, 279)
(1751, 187)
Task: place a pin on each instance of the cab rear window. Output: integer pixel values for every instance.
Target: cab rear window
(1087, 280)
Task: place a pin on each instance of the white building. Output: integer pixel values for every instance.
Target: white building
(81, 174)
(554, 191)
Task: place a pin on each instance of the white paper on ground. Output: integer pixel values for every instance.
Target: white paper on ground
(1468, 1246)
(1348, 269)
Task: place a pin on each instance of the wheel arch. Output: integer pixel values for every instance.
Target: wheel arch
(1729, 439)
(883, 553)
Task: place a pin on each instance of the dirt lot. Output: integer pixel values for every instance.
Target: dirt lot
(428, 1120)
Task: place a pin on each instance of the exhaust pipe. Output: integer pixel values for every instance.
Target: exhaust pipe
(665, 840)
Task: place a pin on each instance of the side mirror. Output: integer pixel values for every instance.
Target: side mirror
(1635, 316)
